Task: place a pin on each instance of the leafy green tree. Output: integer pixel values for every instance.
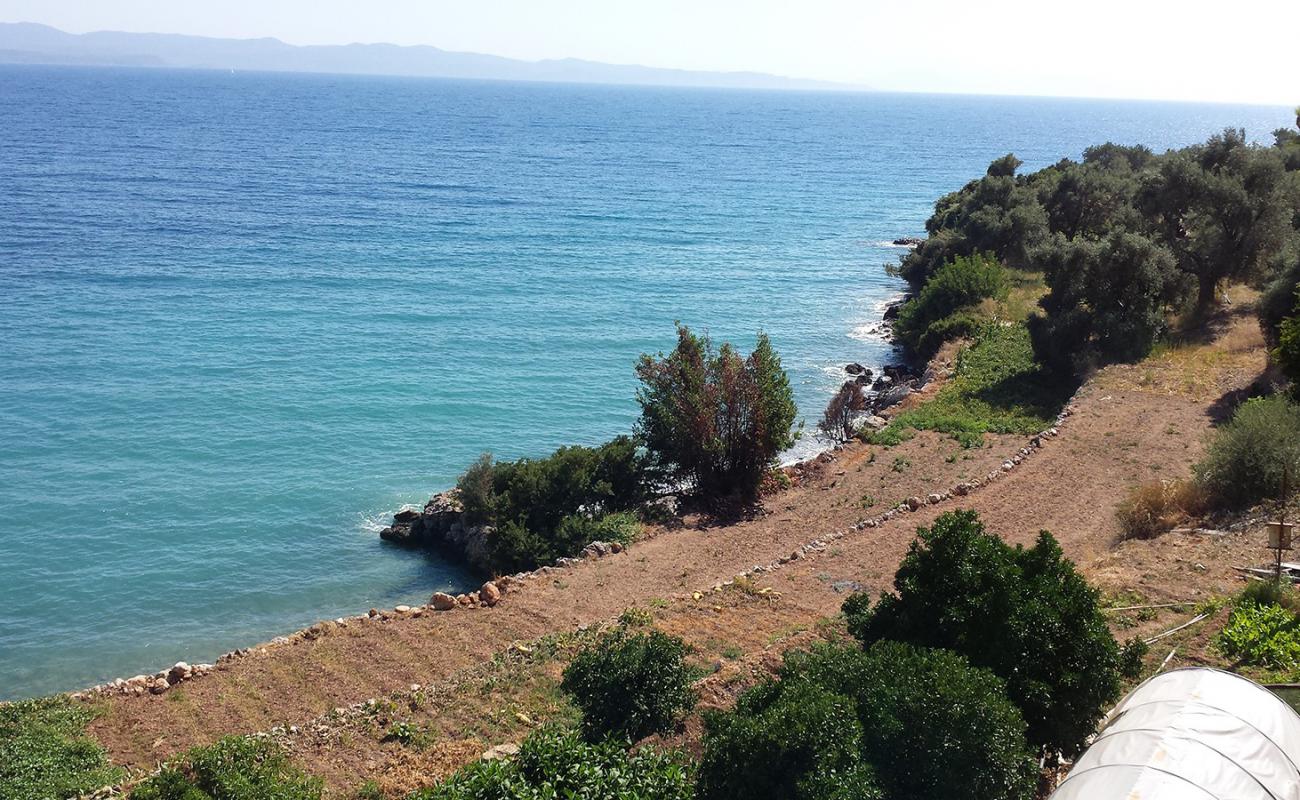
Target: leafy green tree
(629, 686)
(1106, 300)
(1223, 208)
(894, 720)
(785, 742)
(1024, 614)
(554, 764)
(713, 418)
(1094, 198)
(998, 214)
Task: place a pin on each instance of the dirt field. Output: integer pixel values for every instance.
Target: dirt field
(486, 676)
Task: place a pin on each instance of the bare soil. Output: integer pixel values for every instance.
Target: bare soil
(1130, 424)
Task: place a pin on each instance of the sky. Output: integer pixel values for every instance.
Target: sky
(1243, 51)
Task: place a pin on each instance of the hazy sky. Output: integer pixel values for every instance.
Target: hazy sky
(1245, 51)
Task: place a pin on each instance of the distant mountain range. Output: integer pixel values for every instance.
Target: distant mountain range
(30, 43)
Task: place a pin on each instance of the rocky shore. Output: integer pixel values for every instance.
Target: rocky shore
(441, 525)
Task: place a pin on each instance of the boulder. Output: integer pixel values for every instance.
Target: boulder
(501, 751)
(856, 369)
(914, 503)
(406, 515)
(489, 594)
(178, 673)
(908, 241)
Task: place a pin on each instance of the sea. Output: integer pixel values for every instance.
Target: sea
(245, 317)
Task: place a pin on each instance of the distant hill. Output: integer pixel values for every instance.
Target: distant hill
(30, 43)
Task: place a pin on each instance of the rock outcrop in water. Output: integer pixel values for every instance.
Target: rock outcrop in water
(441, 525)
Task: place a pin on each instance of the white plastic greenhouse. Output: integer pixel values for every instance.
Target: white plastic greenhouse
(1192, 734)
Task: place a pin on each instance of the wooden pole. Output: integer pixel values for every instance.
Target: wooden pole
(1281, 520)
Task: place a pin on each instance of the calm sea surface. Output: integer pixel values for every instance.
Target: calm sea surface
(245, 317)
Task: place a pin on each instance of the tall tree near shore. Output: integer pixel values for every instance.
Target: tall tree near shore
(713, 419)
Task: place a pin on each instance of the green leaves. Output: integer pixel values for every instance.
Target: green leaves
(1246, 457)
(235, 768)
(629, 686)
(927, 320)
(1024, 614)
(893, 721)
(44, 752)
(558, 765)
(546, 508)
(1262, 636)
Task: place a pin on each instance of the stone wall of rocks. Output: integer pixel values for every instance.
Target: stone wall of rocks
(157, 683)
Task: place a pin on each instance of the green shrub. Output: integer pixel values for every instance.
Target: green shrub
(1024, 614)
(930, 318)
(894, 721)
(554, 764)
(1270, 593)
(997, 388)
(1246, 457)
(234, 768)
(1262, 636)
(542, 509)
(712, 419)
(630, 685)
(45, 754)
(784, 742)
(1130, 658)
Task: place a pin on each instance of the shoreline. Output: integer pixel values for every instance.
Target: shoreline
(160, 681)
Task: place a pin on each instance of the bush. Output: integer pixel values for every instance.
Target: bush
(234, 768)
(713, 419)
(927, 320)
(893, 721)
(1024, 614)
(630, 685)
(1270, 593)
(784, 742)
(1246, 457)
(849, 402)
(555, 764)
(44, 752)
(1262, 636)
(1158, 506)
(542, 509)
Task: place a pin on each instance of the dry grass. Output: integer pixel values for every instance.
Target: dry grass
(1194, 367)
(1154, 507)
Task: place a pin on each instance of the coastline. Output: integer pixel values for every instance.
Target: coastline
(436, 526)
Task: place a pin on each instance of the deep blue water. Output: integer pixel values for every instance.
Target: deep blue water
(244, 317)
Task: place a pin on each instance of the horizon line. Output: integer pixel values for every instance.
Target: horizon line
(827, 85)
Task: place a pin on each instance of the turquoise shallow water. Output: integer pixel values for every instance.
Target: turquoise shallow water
(245, 317)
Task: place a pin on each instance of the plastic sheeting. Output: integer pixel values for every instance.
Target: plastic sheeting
(1192, 734)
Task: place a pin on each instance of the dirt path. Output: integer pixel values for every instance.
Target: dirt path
(1131, 424)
